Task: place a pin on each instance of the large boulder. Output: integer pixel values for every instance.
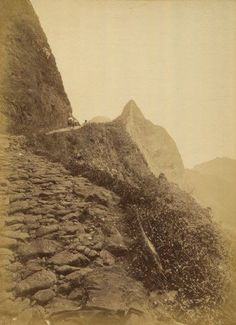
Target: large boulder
(38, 248)
(38, 281)
(44, 296)
(111, 287)
(66, 257)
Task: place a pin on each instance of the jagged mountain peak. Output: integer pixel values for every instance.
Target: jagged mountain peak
(156, 145)
(131, 110)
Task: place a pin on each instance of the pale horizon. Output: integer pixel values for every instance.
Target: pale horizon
(176, 59)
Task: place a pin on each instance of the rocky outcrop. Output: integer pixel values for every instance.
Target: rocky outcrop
(156, 145)
(32, 96)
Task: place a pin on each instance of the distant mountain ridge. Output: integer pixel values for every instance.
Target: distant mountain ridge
(100, 119)
(224, 168)
(212, 183)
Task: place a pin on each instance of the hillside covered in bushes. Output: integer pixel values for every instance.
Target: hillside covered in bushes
(175, 245)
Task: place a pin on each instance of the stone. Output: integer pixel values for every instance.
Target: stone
(44, 230)
(93, 253)
(71, 228)
(30, 268)
(85, 239)
(39, 247)
(19, 206)
(10, 243)
(15, 267)
(76, 294)
(15, 227)
(80, 248)
(28, 218)
(44, 296)
(98, 246)
(66, 257)
(107, 257)
(87, 251)
(58, 305)
(111, 287)
(115, 244)
(64, 288)
(98, 198)
(16, 235)
(14, 220)
(65, 269)
(6, 253)
(99, 262)
(38, 281)
(16, 197)
(77, 276)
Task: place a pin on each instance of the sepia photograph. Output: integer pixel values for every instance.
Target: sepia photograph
(117, 162)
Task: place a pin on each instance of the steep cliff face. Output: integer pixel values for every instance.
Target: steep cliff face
(32, 97)
(158, 148)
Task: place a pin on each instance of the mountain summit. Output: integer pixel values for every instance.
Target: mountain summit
(131, 110)
(156, 145)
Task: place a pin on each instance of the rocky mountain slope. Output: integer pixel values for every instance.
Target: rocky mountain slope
(166, 225)
(87, 228)
(158, 148)
(65, 239)
(61, 243)
(32, 96)
(95, 148)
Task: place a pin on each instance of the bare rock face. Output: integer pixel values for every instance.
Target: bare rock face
(32, 96)
(156, 145)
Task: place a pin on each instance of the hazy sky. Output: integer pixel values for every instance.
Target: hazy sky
(176, 59)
